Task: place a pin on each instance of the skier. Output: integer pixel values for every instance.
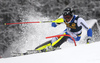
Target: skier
(74, 25)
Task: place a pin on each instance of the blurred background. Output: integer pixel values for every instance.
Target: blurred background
(16, 11)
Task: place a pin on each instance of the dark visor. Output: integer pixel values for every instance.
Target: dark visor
(67, 17)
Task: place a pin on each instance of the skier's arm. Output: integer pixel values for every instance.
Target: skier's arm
(85, 26)
(89, 30)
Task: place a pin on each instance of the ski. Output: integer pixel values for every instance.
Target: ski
(14, 54)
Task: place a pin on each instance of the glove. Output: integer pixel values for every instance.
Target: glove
(89, 40)
(54, 24)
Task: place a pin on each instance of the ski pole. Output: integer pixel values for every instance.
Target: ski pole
(27, 22)
(56, 21)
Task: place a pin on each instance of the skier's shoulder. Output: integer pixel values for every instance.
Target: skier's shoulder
(78, 18)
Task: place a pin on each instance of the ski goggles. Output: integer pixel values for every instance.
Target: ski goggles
(67, 17)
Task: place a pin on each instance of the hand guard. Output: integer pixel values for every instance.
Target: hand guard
(89, 40)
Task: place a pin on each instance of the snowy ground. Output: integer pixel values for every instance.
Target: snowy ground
(86, 53)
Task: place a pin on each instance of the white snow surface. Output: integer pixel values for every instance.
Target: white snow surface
(86, 53)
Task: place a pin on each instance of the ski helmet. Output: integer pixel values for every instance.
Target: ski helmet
(67, 12)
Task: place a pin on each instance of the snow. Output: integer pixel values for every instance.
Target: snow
(86, 53)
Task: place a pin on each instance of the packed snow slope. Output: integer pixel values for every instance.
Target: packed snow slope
(86, 53)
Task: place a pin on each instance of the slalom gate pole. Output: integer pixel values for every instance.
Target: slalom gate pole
(63, 35)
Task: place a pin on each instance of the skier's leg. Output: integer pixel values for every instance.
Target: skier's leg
(44, 47)
(57, 41)
(54, 43)
(60, 41)
(46, 43)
